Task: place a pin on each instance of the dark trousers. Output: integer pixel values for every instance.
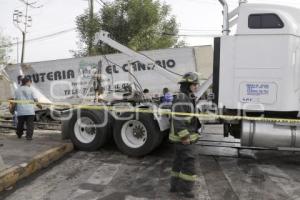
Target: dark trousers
(28, 119)
(183, 174)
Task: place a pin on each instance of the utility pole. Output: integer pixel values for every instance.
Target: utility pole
(17, 39)
(91, 5)
(91, 16)
(22, 22)
(24, 33)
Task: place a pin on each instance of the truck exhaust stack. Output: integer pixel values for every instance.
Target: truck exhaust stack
(225, 30)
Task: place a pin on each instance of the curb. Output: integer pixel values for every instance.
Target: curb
(12, 175)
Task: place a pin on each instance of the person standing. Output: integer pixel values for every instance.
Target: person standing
(25, 108)
(183, 134)
(167, 97)
(147, 96)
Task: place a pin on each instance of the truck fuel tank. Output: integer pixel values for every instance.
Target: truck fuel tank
(270, 135)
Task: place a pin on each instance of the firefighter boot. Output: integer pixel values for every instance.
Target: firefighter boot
(174, 184)
(188, 194)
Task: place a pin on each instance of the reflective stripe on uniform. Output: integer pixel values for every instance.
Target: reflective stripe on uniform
(183, 133)
(194, 137)
(187, 119)
(175, 138)
(175, 174)
(187, 177)
(183, 176)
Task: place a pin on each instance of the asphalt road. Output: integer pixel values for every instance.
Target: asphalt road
(109, 175)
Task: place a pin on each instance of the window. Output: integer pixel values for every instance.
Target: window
(264, 21)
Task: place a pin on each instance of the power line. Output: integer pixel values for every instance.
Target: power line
(41, 37)
(199, 30)
(100, 3)
(104, 3)
(72, 29)
(189, 35)
(201, 35)
(52, 34)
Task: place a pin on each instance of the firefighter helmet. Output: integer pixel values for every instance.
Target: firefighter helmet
(190, 77)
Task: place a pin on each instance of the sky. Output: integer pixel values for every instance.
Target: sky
(197, 19)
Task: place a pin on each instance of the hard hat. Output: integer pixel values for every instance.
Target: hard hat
(190, 77)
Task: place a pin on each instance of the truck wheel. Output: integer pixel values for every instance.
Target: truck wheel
(110, 129)
(137, 136)
(85, 132)
(162, 135)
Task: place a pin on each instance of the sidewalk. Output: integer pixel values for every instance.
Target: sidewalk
(20, 158)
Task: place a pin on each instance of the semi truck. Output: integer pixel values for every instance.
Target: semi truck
(256, 72)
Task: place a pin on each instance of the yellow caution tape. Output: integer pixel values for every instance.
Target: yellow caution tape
(120, 108)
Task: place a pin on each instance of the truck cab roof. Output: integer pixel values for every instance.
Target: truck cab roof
(268, 19)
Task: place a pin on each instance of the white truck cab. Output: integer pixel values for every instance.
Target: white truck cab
(259, 66)
(257, 70)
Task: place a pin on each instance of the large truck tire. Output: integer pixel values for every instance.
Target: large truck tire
(65, 124)
(162, 135)
(110, 129)
(93, 136)
(137, 136)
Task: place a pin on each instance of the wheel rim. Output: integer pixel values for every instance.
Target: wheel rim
(134, 134)
(85, 130)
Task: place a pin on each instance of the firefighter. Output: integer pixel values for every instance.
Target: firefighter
(183, 134)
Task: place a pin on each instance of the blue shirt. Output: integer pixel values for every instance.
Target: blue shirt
(168, 98)
(25, 93)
